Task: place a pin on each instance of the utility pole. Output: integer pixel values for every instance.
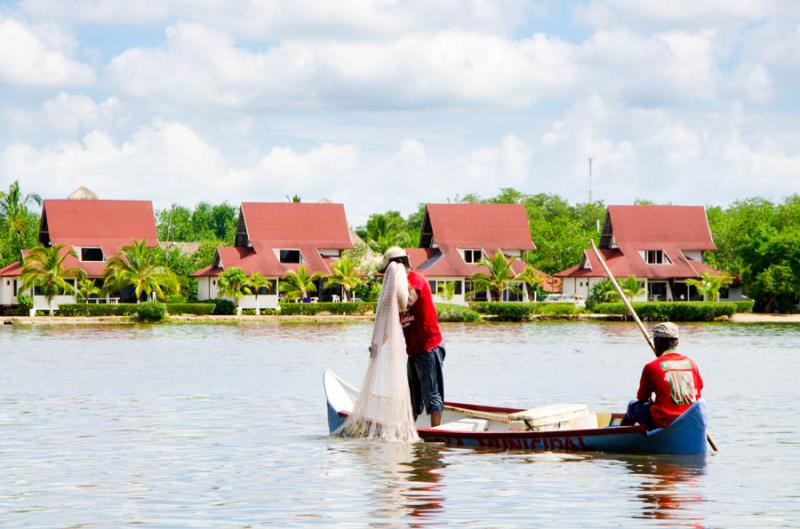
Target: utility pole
(590, 178)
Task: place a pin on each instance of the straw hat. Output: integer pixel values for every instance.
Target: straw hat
(392, 253)
(666, 330)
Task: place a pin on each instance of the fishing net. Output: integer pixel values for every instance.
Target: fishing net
(383, 408)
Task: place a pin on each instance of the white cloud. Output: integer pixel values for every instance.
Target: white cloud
(26, 59)
(277, 19)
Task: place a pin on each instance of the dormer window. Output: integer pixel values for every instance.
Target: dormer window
(656, 257)
(92, 254)
(290, 256)
(472, 256)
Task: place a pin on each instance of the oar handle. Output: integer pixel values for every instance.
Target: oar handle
(622, 296)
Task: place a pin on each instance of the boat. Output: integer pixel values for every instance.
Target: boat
(554, 428)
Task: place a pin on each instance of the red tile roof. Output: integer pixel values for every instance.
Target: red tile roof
(623, 264)
(308, 227)
(480, 226)
(12, 270)
(651, 227)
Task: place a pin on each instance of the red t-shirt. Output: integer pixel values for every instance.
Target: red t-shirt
(675, 380)
(420, 324)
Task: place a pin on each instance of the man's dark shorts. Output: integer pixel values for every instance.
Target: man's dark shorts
(639, 411)
(426, 381)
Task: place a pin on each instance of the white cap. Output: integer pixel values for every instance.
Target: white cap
(392, 253)
(666, 330)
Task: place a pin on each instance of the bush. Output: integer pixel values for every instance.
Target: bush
(13, 310)
(673, 310)
(309, 309)
(151, 311)
(201, 309)
(521, 311)
(97, 309)
(25, 302)
(176, 298)
(451, 312)
(744, 306)
(223, 307)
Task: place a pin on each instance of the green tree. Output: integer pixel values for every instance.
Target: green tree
(447, 290)
(294, 198)
(777, 289)
(234, 282)
(298, 284)
(602, 292)
(19, 225)
(499, 273)
(137, 265)
(87, 288)
(384, 230)
(631, 287)
(531, 278)
(709, 285)
(344, 274)
(257, 282)
(45, 270)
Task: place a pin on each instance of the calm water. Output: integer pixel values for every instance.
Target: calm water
(224, 426)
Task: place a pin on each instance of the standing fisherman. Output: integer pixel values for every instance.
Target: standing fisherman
(423, 342)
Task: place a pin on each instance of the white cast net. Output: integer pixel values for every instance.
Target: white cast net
(383, 408)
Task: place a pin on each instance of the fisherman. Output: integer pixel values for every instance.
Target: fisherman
(423, 342)
(672, 378)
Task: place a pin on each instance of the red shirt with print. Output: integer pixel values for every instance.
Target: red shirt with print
(420, 324)
(675, 380)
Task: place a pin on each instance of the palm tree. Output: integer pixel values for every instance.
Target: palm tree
(344, 273)
(531, 278)
(14, 212)
(44, 269)
(297, 284)
(447, 289)
(234, 282)
(137, 266)
(384, 231)
(257, 282)
(87, 287)
(604, 291)
(499, 273)
(709, 285)
(294, 198)
(631, 287)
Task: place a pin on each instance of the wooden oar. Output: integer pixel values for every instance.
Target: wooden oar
(635, 316)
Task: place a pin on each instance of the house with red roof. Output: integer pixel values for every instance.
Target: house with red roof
(95, 230)
(275, 237)
(662, 246)
(454, 239)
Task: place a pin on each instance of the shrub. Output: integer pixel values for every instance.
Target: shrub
(25, 302)
(223, 307)
(309, 309)
(521, 311)
(744, 306)
(97, 309)
(151, 311)
(451, 312)
(176, 298)
(264, 312)
(673, 310)
(202, 309)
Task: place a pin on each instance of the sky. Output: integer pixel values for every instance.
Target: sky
(386, 104)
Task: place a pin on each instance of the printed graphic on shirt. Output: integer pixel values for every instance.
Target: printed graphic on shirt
(406, 318)
(681, 386)
(675, 365)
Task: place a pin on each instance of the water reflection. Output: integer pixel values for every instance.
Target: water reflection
(670, 488)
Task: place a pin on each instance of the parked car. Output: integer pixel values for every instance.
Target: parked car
(578, 301)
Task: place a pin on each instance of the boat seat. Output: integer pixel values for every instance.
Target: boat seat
(553, 417)
(466, 424)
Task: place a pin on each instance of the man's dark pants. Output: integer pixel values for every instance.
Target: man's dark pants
(426, 382)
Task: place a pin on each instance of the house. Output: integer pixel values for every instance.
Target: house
(273, 238)
(94, 229)
(662, 246)
(454, 239)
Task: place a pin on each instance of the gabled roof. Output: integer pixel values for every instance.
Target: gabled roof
(651, 227)
(623, 264)
(323, 225)
(271, 226)
(108, 224)
(12, 270)
(477, 226)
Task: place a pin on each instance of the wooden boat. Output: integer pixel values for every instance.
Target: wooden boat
(553, 428)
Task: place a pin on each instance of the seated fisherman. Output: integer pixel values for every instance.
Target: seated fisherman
(672, 377)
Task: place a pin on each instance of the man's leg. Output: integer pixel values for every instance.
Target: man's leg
(414, 388)
(429, 368)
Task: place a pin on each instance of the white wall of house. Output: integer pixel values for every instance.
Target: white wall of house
(579, 286)
(265, 301)
(41, 303)
(207, 288)
(7, 296)
(697, 255)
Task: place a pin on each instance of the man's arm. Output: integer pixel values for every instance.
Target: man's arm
(645, 386)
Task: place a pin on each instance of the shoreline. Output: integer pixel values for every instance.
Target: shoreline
(739, 318)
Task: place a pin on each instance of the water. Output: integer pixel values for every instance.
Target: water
(224, 426)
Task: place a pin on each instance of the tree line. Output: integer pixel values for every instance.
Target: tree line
(758, 240)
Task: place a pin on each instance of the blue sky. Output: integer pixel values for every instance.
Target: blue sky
(386, 104)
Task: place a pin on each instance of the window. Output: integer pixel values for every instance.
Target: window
(92, 254)
(656, 257)
(724, 293)
(439, 284)
(15, 288)
(472, 256)
(271, 290)
(290, 256)
(657, 290)
(514, 293)
(472, 294)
